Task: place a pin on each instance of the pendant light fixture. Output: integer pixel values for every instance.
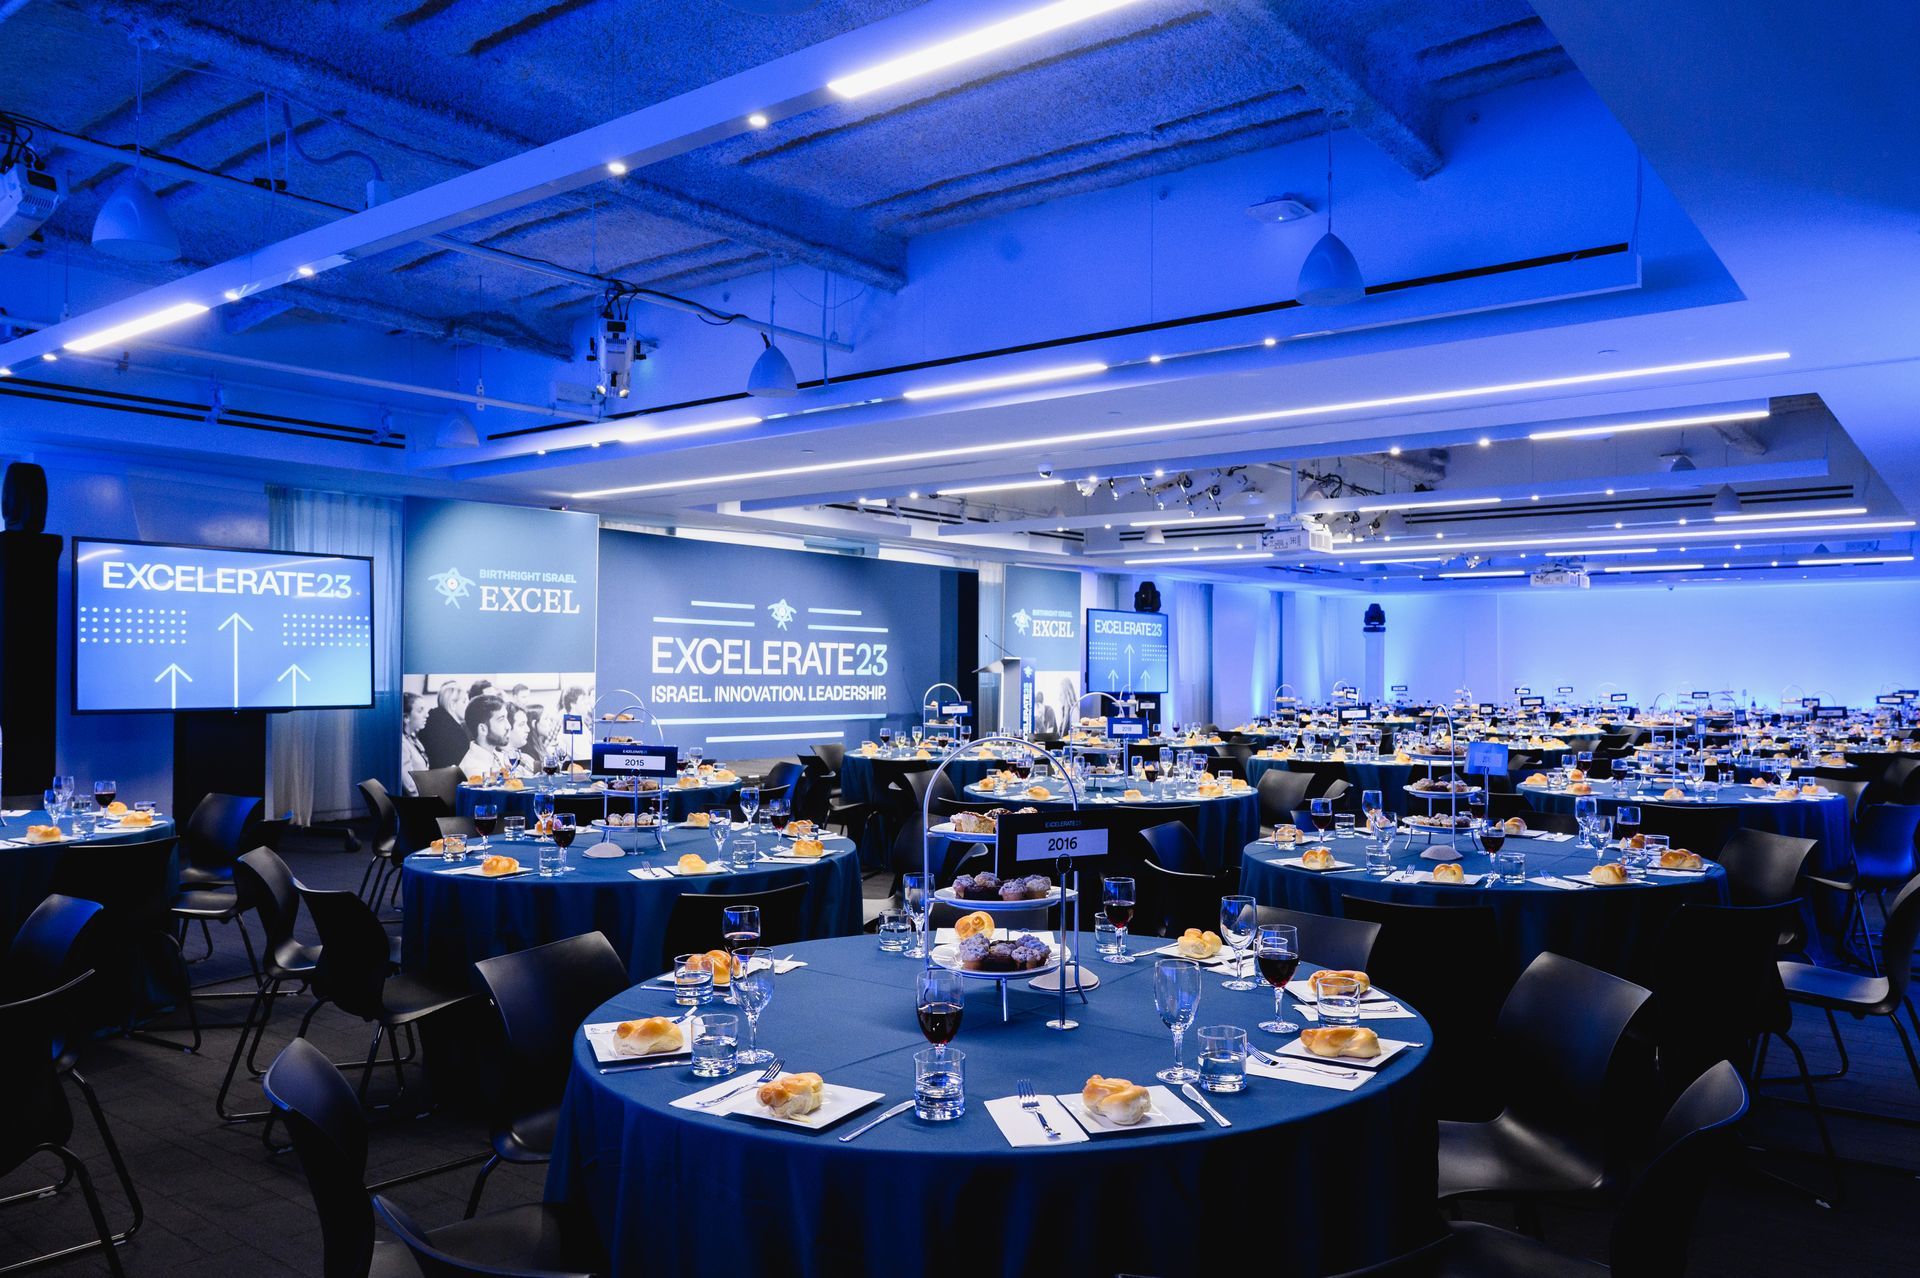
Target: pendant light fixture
(772, 374)
(1330, 276)
(1726, 501)
(132, 224)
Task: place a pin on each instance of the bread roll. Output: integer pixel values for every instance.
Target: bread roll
(808, 847)
(497, 864)
(1681, 859)
(1317, 859)
(692, 863)
(1195, 944)
(44, 834)
(1673, 792)
(720, 963)
(1611, 874)
(116, 808)
(792, 1095)
(1341, 1040)
(1039, 792)
(1579, 787)
(699, 820)
(796, 829)
(1538, 778)
(1116, 1099)
(1449, 872)
(1514, 825)
(978, 923)
(647, 1037)
(1359, 977)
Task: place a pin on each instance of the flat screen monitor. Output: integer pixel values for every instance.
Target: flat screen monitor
(1126, 651)
(166, 627)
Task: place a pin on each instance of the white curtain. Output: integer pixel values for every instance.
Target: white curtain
(1190, 605)
(317, 756)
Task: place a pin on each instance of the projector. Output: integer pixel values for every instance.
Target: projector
(28, 197)
(1293, 538)
(1569, 578)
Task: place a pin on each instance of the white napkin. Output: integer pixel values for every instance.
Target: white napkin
(780, 968)
(16, 812)
(1555, 837)
(481, 870)
(1289, 1071)
(1564, 884)
(1368, 1012)
(1676, 874)
(1023, 1130)
(736, 1079)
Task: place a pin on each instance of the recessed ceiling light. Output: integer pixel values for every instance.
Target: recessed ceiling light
(1027, 378)
(757, 120)
(1394, 451)
(1153, 359)
(232, 295)
(1485, 442)
(968, 45)
(50, 357)
(304, 272)
(1270, 341)
(616, 167)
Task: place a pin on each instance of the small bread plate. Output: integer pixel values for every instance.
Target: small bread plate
(601, 1037)
(1296, 863)
(1588, 879)
(948, 956)
(1389, 1048)
(836, 1102)
(1165, 1110)
(1054, 897)
(713, 867)
(1302, 991)
(945, 830)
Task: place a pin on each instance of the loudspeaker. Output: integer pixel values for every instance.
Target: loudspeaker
(1146, 598)
(29, 664)
(23, 498)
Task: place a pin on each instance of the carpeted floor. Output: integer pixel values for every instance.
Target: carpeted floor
(217, 1202)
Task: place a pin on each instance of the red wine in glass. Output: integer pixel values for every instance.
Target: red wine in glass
(1022, 768)
(1119, 913)
(104, 797)
(486, 825)
(1493, 838)
(940, 1022)
(550, 767)
(1277, 969)
(562, 836)
(1323, 821)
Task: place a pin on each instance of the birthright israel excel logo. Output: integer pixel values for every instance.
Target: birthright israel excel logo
(451, 586)
(1021, 621)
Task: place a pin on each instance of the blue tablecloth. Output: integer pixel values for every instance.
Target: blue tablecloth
(859, 774)
(1824, 819)
(26, 869)
(680, 800)
(676, 1192)
(1609, 928)
(1225, 823)
(453, 920)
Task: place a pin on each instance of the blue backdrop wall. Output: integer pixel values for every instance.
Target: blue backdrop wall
(756, 652)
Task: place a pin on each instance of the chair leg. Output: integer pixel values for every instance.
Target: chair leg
(479, 1185)
(399, 1069)
(260, 1008)
(113, 1156)
(1819, 1117)
(373, 1055)
(77, 1170)
(1906, 1043)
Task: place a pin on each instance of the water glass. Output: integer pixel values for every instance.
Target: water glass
(896, 931)
(752, 990)
(84, 824)
(1239, 921)
(1371, 802)
(1337, 999)
(453, 848)
(1379, 860)
(720, 825)
(715, 1044)
(1343, 825)
(939, 1084)
(1106, 939)
(516, 828)
(1223, 1058)
(1176, 996)
(1510, 866)
(551, 857)
(916, 892)
(692, 979)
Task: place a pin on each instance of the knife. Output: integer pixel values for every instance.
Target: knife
(884, 1115)
(1192, 1093)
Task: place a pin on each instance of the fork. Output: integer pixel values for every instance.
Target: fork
(1031, 1103)
(771, 1072)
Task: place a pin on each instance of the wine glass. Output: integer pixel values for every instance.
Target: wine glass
(1117, 897)
(50, 800)
(486, 819)
(1277, 950)
(916, 891)
(561, 830)
(1239, 919)
(1585, 809)
(1322, 812)
(1371, 802)
(104, 791)
(65, 786)
(777, 812)
(886, 738)
(720, 826)
(1176, 996)
(752, 990)
(694, 755)
(1626, 821)
(939, 1001)
(740, 927)
(750, 802)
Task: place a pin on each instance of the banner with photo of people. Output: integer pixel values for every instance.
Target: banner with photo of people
(487, 590)
(1042, 628)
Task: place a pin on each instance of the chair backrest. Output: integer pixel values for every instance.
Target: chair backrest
(1462, 1012)
(1171, 902)
(52, 947)
(417, 818)
(909, 787)
(329, 1132)
(1173, 847)
(1850, 789)
(354, 952)
(695, 921)
(463, 827)
(1337, 790)
(37, 1112)
(779, 782)
(135, 882)
(434, 1262)
(1558, 1042)
(1343, 944)
(543, 995)
(1716, 984)
(219, 829)
(440, 783)
(263, 882)
(1902, 781)
(1764, 868)
(1883, 842)
(1655, 1221)
(831, 753)
(1281, 791)
(1898, 939)
(386, 817)
(1699, 829)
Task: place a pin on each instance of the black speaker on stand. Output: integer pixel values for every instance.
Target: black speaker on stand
(1146, 598)
(29, 634)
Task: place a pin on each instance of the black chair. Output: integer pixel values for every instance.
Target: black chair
(1850, 789)
(441, 784)
(1884, 840)
(355, 973)
(1699, 829)
(1833, 990)
(1281, 792)
(1343, 944)
(1501, 805)
(1898, 781)
(1462, 1012)
(59, 941)
(695, 924)
(543, 996)
(1172, 846)
(779, 784)
(263, 879)
(1169, 902)
(1336, 791)
(1764, 868)
(221, 827)
(464, 828)
(385, 842)
(137, 885)
(1557, 1051)
(1653, 1227)
(38, 1119)
(329, 1132)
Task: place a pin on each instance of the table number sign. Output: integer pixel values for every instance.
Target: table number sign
(621, 759)
(1126, 729)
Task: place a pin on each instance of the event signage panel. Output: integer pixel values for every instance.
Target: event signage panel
(1486, 758)
(1533, 703)
(1617, 698)
(1040, 625)
(1896, 699)
(1047, 836)
(956, 709)
(166, 627)
(615, 758)
(750, 650)
(1121, 729)
(1354, 714)
(1830, 712)
(1127, 651)
(1564, 690)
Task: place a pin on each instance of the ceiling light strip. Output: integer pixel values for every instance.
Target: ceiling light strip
(1004, 487)
(1029, 378)
(1830, 512)
(1661, 423)
(1170, 428)
(1414, 503)
(1201, 559)
(135, 327)
(1174, 521)
(1855, 559)
(1621, 568)
(1491, 572)
(695, 428)
(968, 45)
(1689, 534)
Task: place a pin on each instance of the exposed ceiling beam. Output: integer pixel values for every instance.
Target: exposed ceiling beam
(1315, 50)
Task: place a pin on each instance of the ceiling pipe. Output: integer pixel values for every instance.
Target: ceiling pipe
(593, 284)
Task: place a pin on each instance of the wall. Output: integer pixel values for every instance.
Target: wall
(1245, 651)
(1841, 641)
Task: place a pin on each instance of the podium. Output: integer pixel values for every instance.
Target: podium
(1011, 694)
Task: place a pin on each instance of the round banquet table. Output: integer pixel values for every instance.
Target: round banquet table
(863, 776)
(681, 800)
(26, 869)
(1348, 1176)
(1824, 818)
(1363, 774)
(1609, 928)
(1224, 822)
(453, 920)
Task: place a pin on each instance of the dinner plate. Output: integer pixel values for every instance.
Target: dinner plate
(836, 1102)
(712, 868)
(945, 828)
(1302, 990)
(1589, 879)
(1055, 897)
(600, 1038)
(1389, 1048)
(948, 956)
(1165, 1110)
(1296, 863)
